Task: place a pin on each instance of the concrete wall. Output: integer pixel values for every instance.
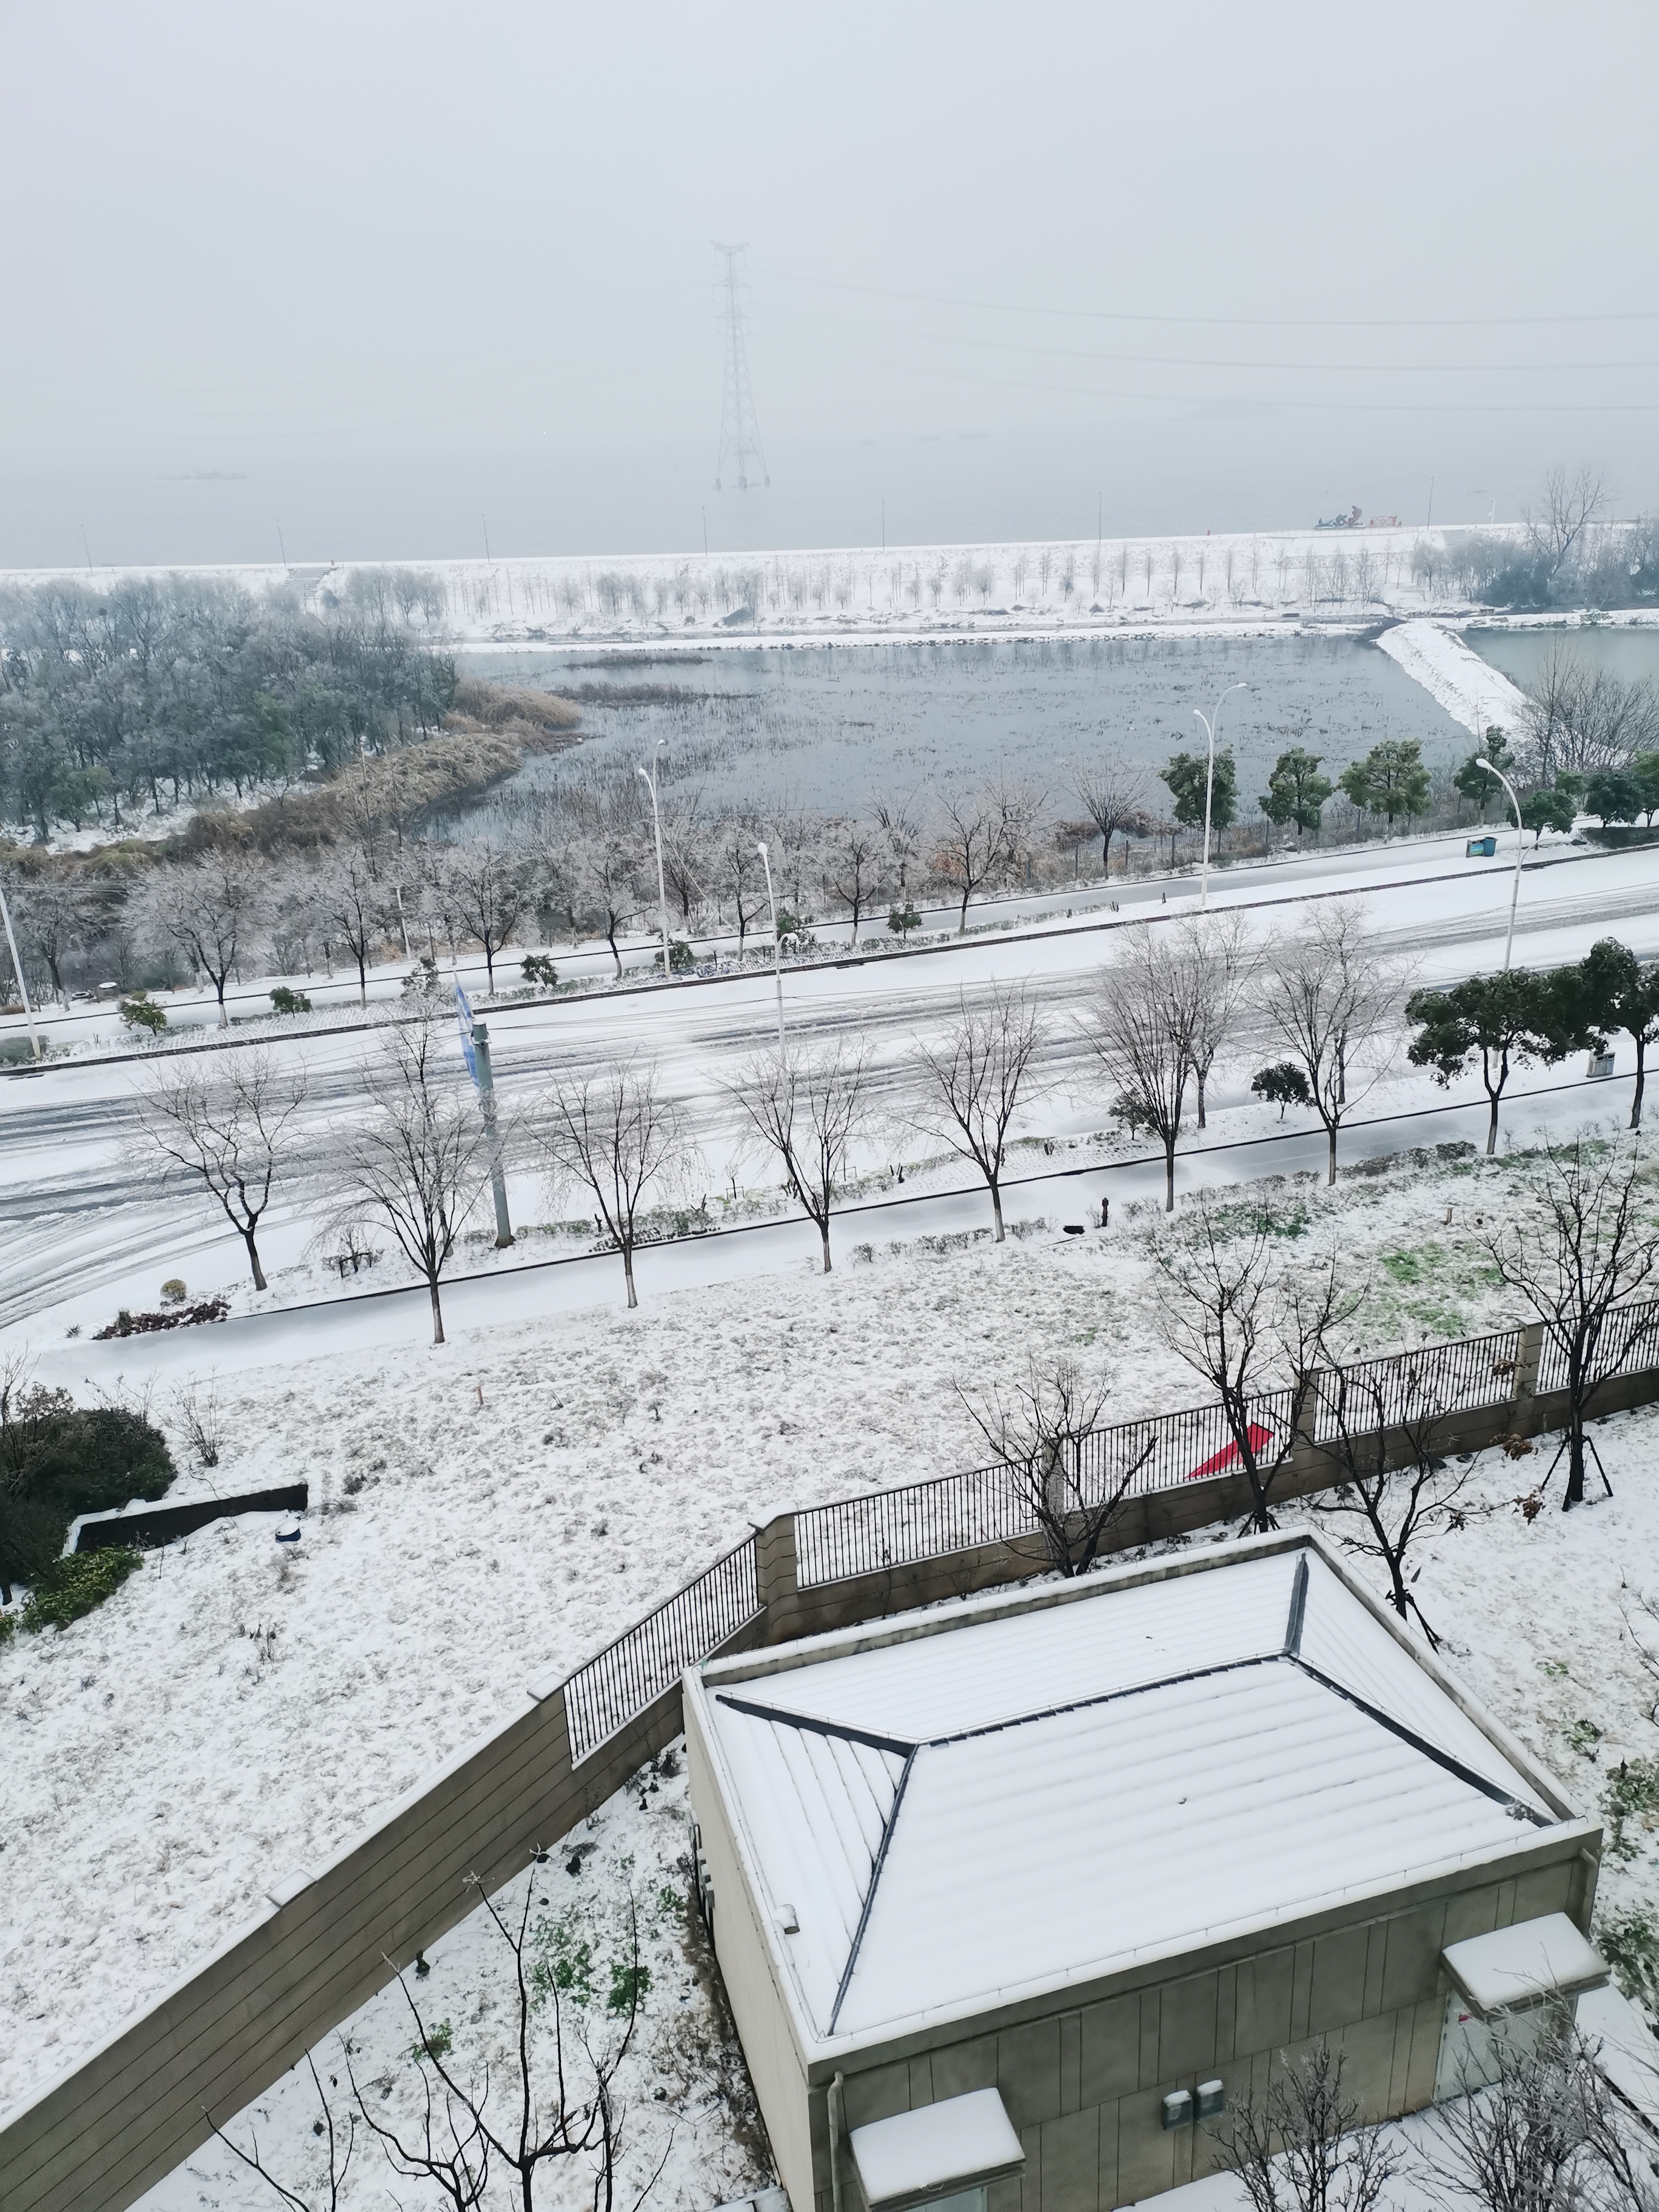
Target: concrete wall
(1084, 2083)
(133, 2111)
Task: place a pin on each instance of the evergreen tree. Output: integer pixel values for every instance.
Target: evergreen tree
(1504, 1021)
(1296, 790)
(1186, 776)
(1391, 780)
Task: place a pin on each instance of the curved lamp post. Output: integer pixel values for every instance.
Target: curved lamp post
(1210, 729)
(777, 942)
(1520, 840)
(650, 782)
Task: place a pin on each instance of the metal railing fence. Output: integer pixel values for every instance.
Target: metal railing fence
(1629, 1341)
(1415, 1388)
(618, 1683)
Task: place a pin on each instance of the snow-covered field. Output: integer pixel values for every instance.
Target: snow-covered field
(499, 1507)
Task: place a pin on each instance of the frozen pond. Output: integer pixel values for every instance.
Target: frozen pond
(826, 726)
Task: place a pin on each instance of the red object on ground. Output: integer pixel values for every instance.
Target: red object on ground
(1224, 1459)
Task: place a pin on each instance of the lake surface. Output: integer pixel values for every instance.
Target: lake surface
(1632, 655)
(828, 726)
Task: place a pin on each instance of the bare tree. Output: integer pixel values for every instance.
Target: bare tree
(1217, 947)
(1298, 2146)
(339, 2148)
(564, 2117)
(414, 1155)
(973, 1080)
(1035, 1430)
(1326, 994)
(973, 843)
(489, 885)
(351, 904)
(1385, 1419)
(1578, 1248)
(1114, 797)
(1253, 1322)
(852, 867)
(616, 1135)
(1570, 504)
(1522, 2144)
(809, 1108)
(607, 855)
(52, 911)
(900, 822)
(739, 866)
(1142, 1035)
(225, 1131)
(211, 910)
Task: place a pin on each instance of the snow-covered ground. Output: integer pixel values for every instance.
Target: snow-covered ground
(237, 1709)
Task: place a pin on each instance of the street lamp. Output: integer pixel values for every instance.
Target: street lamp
(17, 971)
(650, 781)
(777, 942)
(1520, 840)
(1210, 729)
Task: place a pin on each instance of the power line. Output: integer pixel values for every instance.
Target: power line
(1232, 322)
(740, 440)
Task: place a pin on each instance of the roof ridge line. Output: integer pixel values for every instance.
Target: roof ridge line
(1453, 1766)
(888, 1827)
(904, 1746)
(1105, 1698)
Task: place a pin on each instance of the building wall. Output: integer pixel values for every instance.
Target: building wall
(1084, 2085)
(751, 1987)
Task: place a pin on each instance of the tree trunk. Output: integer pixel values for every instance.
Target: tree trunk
(611, 939)
(224, 1018)
(1330, 1174)
(1168, 1172)
(962, 924)
(253, 1260)
(437, 1311)
(1199, 1073)
(627, 1271)
(1575, 1463)
(1641, 1082)
(1492, 1124)
(362, 979)
(824, 1231)
(996, 1206)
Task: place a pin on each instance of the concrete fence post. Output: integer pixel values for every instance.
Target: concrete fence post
(1523, 1383)
(776, 1579)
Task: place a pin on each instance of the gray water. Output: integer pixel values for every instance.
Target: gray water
(1632, 655)
(828, 727)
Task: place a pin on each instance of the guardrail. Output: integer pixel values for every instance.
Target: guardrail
(130, 2113)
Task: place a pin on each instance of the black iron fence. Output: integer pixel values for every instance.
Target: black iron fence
(1415, 1388)
(619, 1682)
(1629, 1341)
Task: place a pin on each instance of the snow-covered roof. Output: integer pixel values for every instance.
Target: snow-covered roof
(1004, 1799)
(955, 2144)
(1511, 1967)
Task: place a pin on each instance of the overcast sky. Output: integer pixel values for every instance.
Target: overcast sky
(379, 277)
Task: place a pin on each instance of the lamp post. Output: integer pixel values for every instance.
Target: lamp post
(17, 971)
(650, 782)
(777, 942)
(1520, 840)
(1210, 729)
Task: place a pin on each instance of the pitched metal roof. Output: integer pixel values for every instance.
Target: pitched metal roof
(1069, 1787)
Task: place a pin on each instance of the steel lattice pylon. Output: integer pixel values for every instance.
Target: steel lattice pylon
(740, 441)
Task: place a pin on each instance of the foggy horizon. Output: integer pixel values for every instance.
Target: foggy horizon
(379, 286)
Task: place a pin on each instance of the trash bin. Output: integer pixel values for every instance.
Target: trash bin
(1481, 848)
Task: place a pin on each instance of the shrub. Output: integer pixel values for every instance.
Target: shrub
(539, 968)
(57, 1459)
(66, 1589)
(1630, 1948)
(173, 1291)
(284, 1001)
(902, 919)
(1282, 1085)
(146, 1324)
(1632, 1794)
(139, 1011)
(423, 981)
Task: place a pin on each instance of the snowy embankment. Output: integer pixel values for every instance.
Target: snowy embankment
(1456, 677)
(498, 1508)
(1078, 586)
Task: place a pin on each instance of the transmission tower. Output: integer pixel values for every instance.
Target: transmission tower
(740, 443)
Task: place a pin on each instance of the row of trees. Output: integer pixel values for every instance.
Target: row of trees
(114, 703)
(416, 1158)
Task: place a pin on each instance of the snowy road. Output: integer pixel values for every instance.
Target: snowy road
(82, 1235)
